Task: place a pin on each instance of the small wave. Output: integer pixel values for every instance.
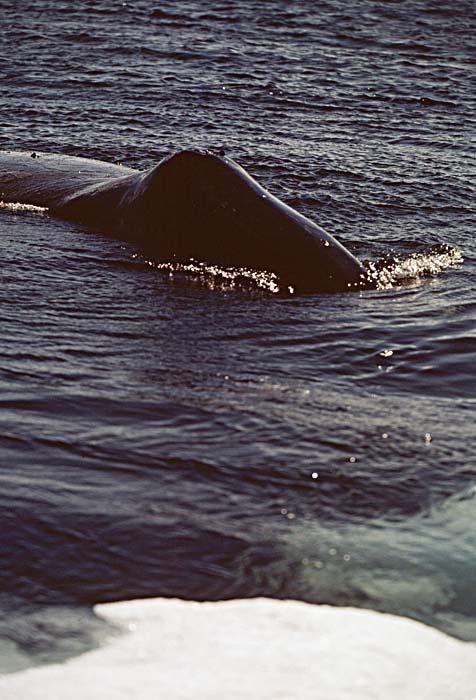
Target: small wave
(423, 100)
(391, 272)
(409, 46)
(19, 206)
(168, 14)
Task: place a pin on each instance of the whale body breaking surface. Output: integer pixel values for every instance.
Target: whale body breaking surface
(193, 205)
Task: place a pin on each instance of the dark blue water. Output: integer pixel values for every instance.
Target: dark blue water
(178, 435)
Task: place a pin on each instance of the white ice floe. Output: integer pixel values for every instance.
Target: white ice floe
(255, 650)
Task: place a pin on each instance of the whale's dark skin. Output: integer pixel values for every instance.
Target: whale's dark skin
(192, 205)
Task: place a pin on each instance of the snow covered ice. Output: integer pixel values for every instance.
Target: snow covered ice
(256, 649)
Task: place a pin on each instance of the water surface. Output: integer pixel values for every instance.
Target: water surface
(180, 435)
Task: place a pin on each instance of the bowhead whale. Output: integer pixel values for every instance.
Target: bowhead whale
(193, 205)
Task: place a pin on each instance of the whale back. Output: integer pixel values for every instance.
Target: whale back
(48, 180)
(192, 205)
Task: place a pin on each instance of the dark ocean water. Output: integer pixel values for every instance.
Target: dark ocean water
(175, 435)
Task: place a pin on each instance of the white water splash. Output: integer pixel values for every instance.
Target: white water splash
(19, 206)
(392, 273)
(223, 279)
